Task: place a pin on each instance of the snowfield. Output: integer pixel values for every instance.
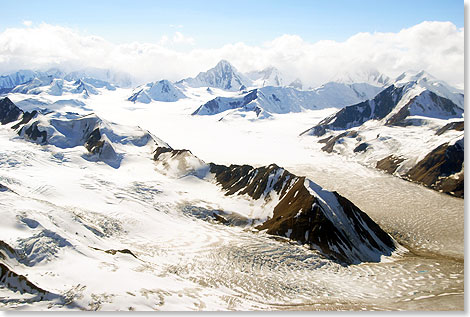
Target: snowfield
(118, 230)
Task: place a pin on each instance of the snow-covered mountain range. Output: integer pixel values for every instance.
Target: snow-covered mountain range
(268, 100)
(58, 87)
(87, 186)
(98, 78)
(262, 91)
(364, 75)
(78, 226)
(270, 188)
(404, 127)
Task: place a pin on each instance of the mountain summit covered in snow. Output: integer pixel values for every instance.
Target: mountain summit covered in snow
(223, 76)
(410, 95)
(413, 129)
(270, 76)
(162, 90)
(95, 76)
(370, 76)
(268, 100)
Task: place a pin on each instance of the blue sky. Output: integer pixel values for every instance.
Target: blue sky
(214, 23)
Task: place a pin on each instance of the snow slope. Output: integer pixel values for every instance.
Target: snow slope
(57, 87)
(133, 238)
(222, 76)
(268, 100)
(269, 76)
(364, 75)
(420, 96)
(98, 78)
(16, 78)
(162, 90)
(405, 130)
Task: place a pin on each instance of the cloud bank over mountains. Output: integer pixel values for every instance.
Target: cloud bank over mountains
(437, 47)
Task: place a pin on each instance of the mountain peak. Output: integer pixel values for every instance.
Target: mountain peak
(223, 76)
(367, 75)
(414, 76)
(297, 84)
(223, 63)
(269, 76)
(425, 80)
(162, 90)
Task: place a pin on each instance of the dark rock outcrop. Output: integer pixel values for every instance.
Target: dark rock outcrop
(17, 282)
(9, 112)
(442, 169)
(361, 147)
(11, 280)
(301, 210)
(435, 105)
(160, 150)
(245, 179)
(35, 134)
(456, 125)
(27, 116)
(113, 251)
(331, 141)
(94, 144)
(303, 216)
(389, 164)
(356, 115)
(384, 106)
(220, 104)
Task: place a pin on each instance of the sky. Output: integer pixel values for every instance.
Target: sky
(250, 34)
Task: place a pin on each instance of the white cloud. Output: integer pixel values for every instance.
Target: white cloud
(27, 23)
(437, 47)
(179, 38)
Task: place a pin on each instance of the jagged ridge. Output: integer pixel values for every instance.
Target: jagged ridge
(303, 211)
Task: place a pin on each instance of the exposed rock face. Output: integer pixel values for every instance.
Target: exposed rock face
(221, 104)
(301, 210)
(361, 147)
(388, 106)
(356, 115)
(426, 104)
(97, 136)
(308, 214)
(178, 163)
(27, 116)
(114, 252)
(17, 282)
(412, 100)
(244, 179)
(94, 144)
(456, 125)
(11, 280)
(9, 112)
(35, 134)
(389, 164)
(442, 169)
(331, 141)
